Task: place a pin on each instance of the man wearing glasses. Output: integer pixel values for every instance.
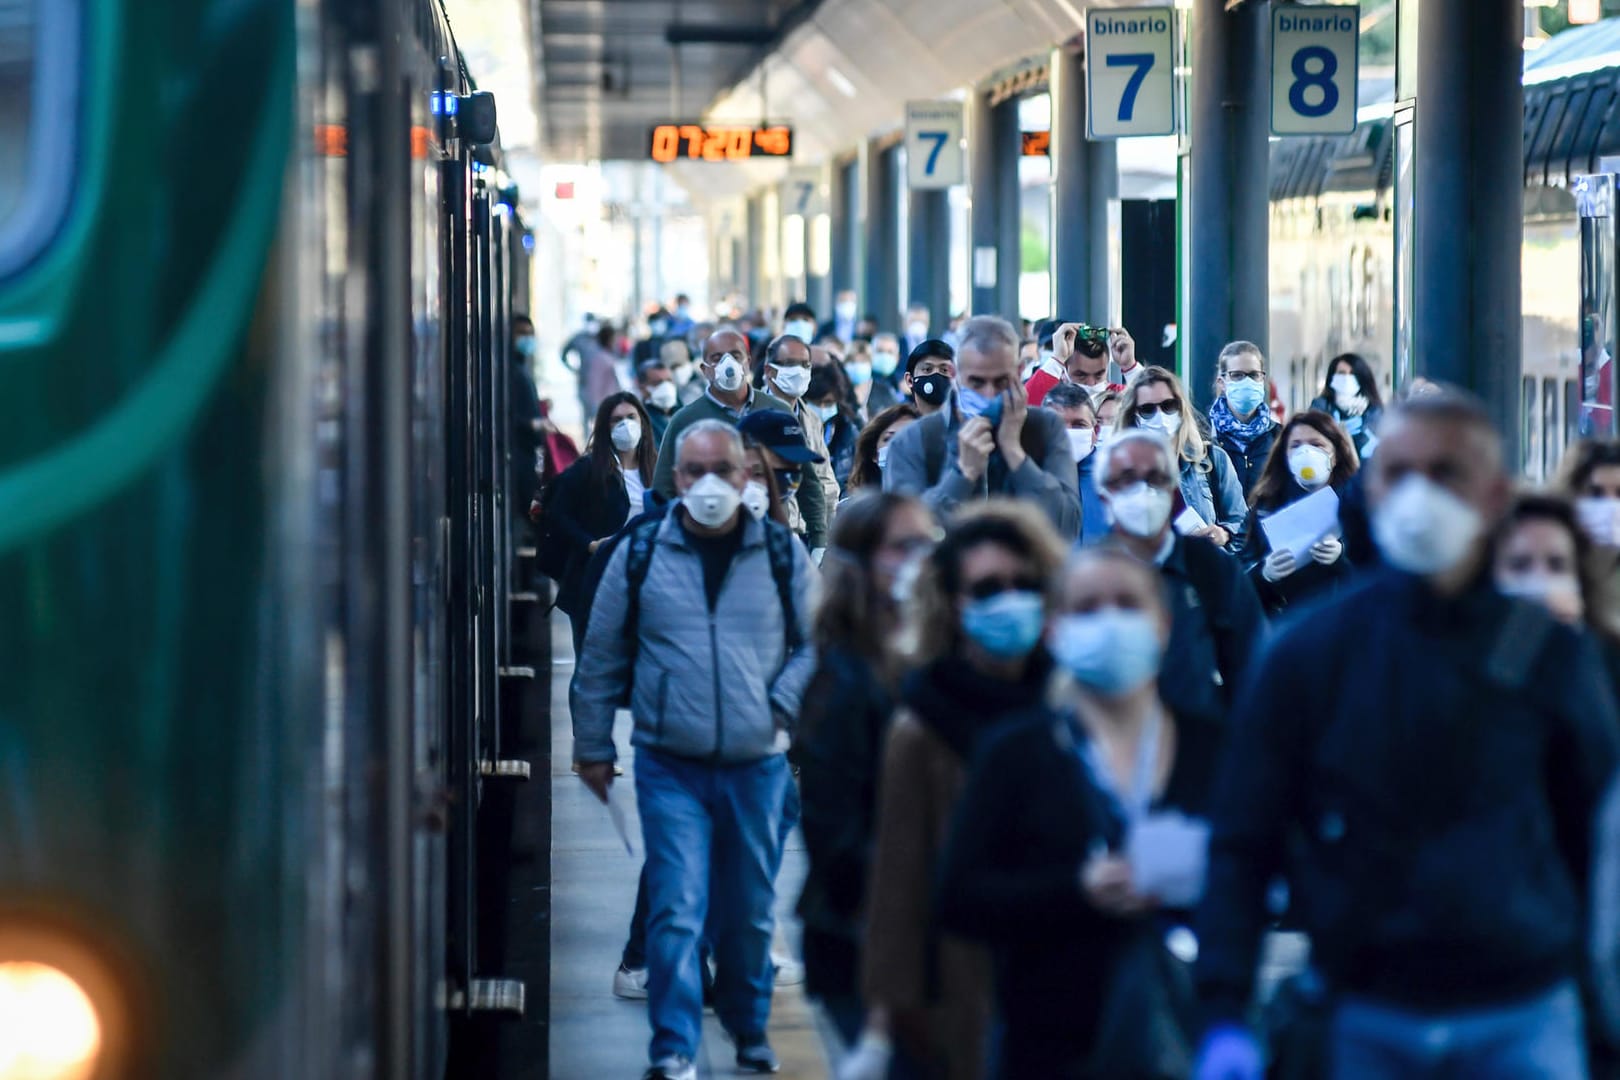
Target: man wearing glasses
(1216, 619)
(1241, 418)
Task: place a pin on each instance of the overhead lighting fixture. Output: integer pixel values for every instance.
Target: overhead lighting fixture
(841, 82)
(1585, 11)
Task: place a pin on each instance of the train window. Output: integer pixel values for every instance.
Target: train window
(1529, 442)
(1548, 433)
(39, 42)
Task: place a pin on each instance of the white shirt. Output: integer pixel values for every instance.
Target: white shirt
(633, 489)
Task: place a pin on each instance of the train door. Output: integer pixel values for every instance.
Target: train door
(1595, 205)
(1147, 262)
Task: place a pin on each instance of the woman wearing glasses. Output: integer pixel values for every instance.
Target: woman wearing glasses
(1210, 487)
(981, 606)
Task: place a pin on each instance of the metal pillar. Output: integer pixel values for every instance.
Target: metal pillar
(1468, 219)
(1085, 176)
(1230, 223)
(928, 253)
(1009, 149)
(844, 202)
(817, 287)
(881, 294)
(753, 276)
(982, 224)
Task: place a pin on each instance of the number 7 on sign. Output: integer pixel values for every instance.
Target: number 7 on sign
(1143, 63)
(938, 138)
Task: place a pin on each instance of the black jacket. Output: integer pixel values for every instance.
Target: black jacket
(1308, 581)
(842, 724)
(1248, 462)
(584, 510)
(1432, 765)
(1217, 625)
(1010, 876)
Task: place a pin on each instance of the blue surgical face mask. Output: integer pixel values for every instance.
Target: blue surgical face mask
(1111, 651)
(1007, 625)
(524, 345)
(971, 402)
(1244, 396)
(803, 329)
(827, 411)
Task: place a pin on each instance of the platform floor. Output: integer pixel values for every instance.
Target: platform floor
(594, 1034)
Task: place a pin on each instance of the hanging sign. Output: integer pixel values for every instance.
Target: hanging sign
(1314, 69)
(803, 193)
(1130, 76)
(934, 157)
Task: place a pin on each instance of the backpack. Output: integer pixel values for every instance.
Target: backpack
(550, 546)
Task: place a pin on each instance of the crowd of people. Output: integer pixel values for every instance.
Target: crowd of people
(1078, 692)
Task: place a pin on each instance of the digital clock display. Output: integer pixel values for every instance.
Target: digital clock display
(695, 142)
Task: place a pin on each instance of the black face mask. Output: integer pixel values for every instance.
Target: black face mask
(931, 388)
(787, 482)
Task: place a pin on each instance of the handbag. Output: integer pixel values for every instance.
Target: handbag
(1143, 1032)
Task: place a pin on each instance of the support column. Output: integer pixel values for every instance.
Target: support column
(982, 224)
(881, 293)
(1085, 176)
(928, 253)
(842, 211)
(1009, 149)
(1468, 219)
(1230, 215)
(753, 277)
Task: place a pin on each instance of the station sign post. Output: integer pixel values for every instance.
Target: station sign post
(1130, 73)
(934, 156)
(1314, 69)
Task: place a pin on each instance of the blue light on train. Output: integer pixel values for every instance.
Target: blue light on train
(528, 241)
(444, 103)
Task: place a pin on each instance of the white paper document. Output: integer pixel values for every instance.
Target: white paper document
(1169, 854)
(1297, 527)
(621, 824)
(1189, 521)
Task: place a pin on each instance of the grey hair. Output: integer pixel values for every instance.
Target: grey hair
(674, 351)
(1068, 396)
(709, 427)
(982, 333)
(1104, 468)
(1235, 349)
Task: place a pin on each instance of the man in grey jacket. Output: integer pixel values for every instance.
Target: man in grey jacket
(957, 454)
(714, 669)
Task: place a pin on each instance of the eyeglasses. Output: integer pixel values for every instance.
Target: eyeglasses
(1155, 479)
(696, 470)
(985, 588)
(1168, 408)
(1256, 376)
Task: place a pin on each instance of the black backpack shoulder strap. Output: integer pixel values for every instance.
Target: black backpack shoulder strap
(779, 549)
(1518, 644)
(637, 564)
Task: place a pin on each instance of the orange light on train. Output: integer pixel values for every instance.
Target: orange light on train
(331, 140)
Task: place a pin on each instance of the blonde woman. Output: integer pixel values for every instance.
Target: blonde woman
(1210, 487)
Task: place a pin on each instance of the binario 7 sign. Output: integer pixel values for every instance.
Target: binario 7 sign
(1130, 76)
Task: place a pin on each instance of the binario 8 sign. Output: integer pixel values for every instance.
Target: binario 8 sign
(1314, 69)
(1130, 74)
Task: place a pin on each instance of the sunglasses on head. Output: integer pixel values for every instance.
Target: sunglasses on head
(1169, 408)
(985, 588)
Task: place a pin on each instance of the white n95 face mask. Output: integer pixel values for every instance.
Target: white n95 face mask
(662, 396)
(756, 498)
(1424, 529)
(728, 373)
(711, 501)
(626, 434)
(1311, 466)
(1140, 509)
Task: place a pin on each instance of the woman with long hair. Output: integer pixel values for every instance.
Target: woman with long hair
(871, 447)
(1543, 554)
(1038, 865)
(1350, 395)
(874, 553)
(980, 606)
(598, 494)
(839, 422)
(1310, 452)
(763, 496)
(1210, 486)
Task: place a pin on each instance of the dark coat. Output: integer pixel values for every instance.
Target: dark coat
(584, 510)
(842, 724)
(1363, 429)
(1248, 461)
(1310, 580)
(1027, 820)
(1427, 769)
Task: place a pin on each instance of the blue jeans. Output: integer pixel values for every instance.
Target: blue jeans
(713, 845)
(1540, 1038)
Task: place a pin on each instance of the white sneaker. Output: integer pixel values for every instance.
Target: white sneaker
(789, 972)
(671, 1068)
(630, 983)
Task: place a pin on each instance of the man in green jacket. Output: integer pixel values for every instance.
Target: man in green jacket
(730, 396)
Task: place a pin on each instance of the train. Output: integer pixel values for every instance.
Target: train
(260, 620)
(1335, 282)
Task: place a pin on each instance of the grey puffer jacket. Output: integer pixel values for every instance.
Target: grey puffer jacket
(707, 685)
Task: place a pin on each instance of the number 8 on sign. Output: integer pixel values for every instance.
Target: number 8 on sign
(1314, 69)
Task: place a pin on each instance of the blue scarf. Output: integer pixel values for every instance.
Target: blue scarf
(1228, 426)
